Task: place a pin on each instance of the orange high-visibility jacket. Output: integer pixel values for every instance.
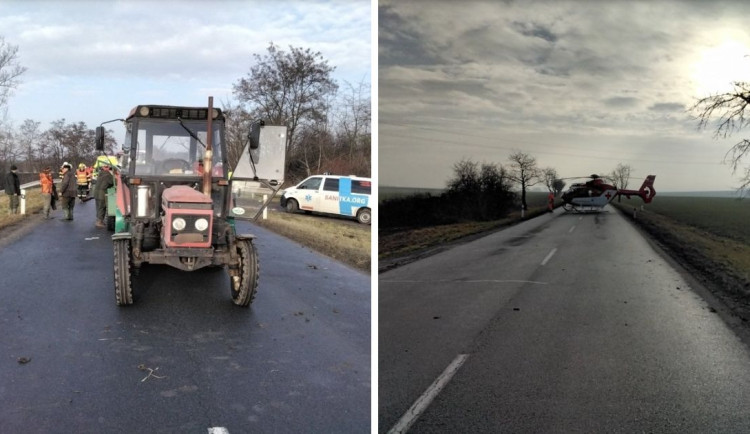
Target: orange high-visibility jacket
(46, 180)
(82, 177)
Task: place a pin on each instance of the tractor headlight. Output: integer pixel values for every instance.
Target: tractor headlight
(178, 224)
(201, 224)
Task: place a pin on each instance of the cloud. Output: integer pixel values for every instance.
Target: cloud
(607, 74)
(668, 107)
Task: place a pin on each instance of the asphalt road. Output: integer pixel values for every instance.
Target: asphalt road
(565, 323)
(183, 358)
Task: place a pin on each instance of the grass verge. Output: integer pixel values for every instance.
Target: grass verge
(401, 243)
(33, 205)
(343, 241)
(722, 263)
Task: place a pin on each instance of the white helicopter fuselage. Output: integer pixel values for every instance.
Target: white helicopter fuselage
(595, 201)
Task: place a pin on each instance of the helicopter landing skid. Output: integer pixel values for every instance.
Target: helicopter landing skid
(582, 209)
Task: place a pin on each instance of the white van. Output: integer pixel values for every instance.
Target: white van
(331, 194)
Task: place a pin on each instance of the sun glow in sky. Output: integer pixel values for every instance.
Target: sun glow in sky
(720, 66)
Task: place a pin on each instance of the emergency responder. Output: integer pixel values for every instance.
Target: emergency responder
(13, 190)
(83, 178)
(68, 191)
(551, 202)
(45, 180)
(103, 182)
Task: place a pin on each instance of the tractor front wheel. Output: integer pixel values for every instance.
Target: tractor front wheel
(123, 271)
(243, 286)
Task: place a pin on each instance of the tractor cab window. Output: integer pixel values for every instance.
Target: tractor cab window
(168, 149)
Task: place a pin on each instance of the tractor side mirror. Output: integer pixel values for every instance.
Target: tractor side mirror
(99, 140)
(254, 135)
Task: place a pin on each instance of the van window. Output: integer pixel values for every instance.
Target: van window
(331, 184)
(311, 184)
(361, 187)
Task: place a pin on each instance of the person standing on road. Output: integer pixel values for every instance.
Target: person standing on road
(13, 189)
(103, 182)
(45, 179)
(68, 190)
(83, 178)
(551, 202)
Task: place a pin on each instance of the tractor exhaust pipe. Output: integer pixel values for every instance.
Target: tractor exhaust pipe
(208, 155)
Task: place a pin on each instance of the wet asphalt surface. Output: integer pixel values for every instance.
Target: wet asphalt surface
(565, 323)
(183, 358)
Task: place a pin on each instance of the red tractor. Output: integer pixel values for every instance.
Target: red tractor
(174, 197)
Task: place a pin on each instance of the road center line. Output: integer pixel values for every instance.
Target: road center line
(421, 404)
(218, 430)
(572, 228)
(549, 256)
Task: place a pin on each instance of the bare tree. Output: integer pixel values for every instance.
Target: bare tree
(524, 172)
(73, 143)
(238, 122)
(465, 178)
(287, 88)
(10, 70)
(621, 177)
(10, 152)
(729, 111)
(356, 116)
(29, 138)
(558, 186)
(549, 176)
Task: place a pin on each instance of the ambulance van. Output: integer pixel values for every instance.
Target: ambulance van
(331, 194)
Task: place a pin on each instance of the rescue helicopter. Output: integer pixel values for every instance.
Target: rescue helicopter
(592, 195)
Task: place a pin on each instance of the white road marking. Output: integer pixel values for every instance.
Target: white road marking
(570, 231)
(549, 256)
(218, 430)
(421, 404)
(91, 238)
(464, 281)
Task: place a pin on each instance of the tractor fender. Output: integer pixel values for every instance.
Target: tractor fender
(244, 236)
(122, 236)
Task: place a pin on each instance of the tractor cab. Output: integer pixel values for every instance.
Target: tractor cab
(175, 198)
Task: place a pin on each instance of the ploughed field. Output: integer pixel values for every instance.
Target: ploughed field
(721, 216)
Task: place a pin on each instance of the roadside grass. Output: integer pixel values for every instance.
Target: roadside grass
(703, 236)
(403, 242)
(33, 206)
(348, 243)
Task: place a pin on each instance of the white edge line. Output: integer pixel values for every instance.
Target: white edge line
(549, 256)
(413, 413)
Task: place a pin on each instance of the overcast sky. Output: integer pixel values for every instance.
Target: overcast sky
(580, 85)
(93, 61)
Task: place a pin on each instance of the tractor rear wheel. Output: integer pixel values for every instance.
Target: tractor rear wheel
(243, 287)
(123, 271)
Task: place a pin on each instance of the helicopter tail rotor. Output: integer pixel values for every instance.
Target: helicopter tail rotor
(646, 192)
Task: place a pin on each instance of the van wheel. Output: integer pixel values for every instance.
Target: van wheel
(292, 205)
(243, 287)
(123, 269)
(364, 216)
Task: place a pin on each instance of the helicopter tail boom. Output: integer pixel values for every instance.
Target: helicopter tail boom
(646, 192)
